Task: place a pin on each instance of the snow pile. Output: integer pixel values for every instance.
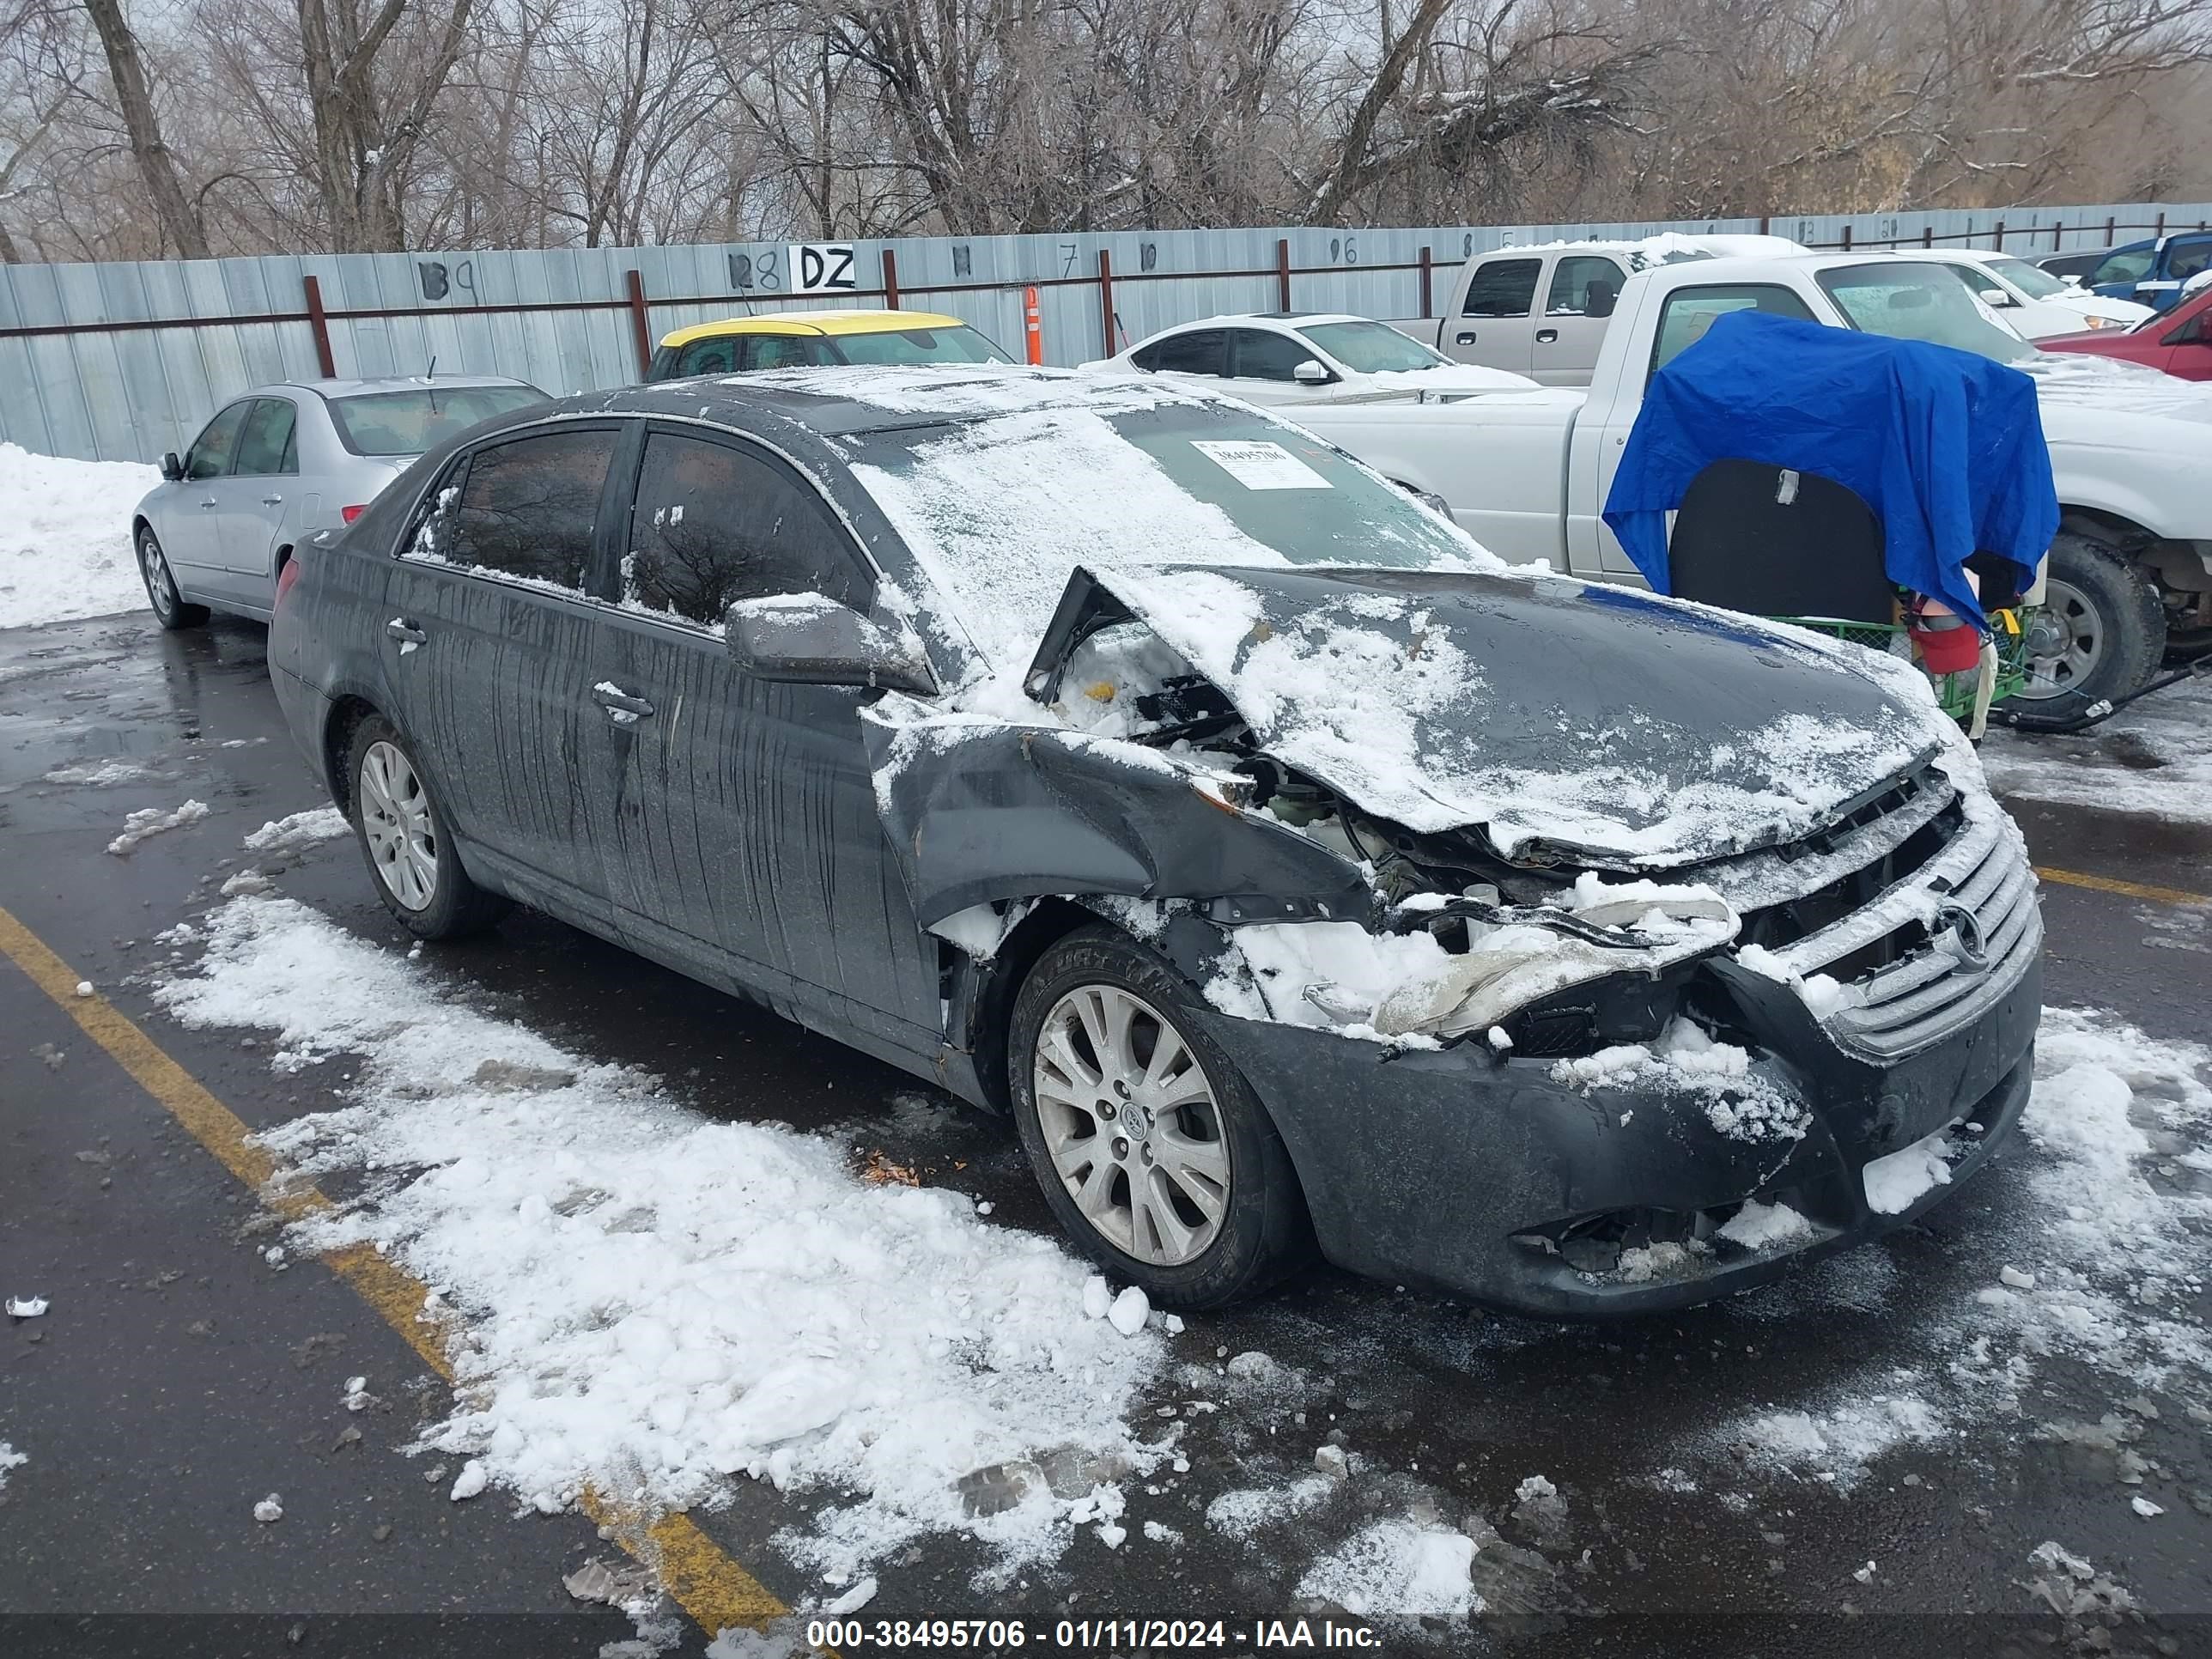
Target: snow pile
(654, 1300)
(1398, 1571)
(152, 821)
(2153, 757)
(290, 834)
(65, 547)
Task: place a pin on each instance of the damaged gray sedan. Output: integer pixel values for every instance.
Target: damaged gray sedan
(1299, 877)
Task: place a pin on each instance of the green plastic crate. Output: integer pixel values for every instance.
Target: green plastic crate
(1954, 693)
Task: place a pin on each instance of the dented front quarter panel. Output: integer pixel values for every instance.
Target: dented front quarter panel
(983, 812)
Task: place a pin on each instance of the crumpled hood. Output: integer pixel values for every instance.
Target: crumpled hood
(1624, 730)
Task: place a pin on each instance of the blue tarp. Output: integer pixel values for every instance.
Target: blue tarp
(1947, 447)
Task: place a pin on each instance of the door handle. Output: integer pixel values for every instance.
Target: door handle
(1466, 338)
(272, 501)
(622, 709)
(1546, 336)
(406, 633)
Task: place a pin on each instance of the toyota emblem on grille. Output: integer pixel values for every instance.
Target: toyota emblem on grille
(1964, 929)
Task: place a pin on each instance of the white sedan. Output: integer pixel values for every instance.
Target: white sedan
(1307, 357)
(2031, 299)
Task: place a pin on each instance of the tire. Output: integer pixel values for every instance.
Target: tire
(170, 609)
(405, 838)
(1213, 1131)
(2102, 632)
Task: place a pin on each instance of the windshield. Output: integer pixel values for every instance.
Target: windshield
(999, 512)
(958, 344)
(1907, 300)
(1372, 348)
(2032, 280)
(408, 423)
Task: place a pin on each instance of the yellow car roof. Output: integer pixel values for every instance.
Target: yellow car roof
(813, 322)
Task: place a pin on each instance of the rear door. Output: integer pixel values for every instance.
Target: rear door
(488, 645)
(191, 536)
(1200, 354)
(2184, 257)
(258, 503)
(1578, 303)
(740, 823)
(1495, 326)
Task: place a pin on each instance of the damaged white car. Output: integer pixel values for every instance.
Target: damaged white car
(1299, 877)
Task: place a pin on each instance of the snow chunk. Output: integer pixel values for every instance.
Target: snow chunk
(65, 548)
(1129, 1311)
(299, 829)
(270, 1508)
(1759, 1226)
(1398, 1571)
(9, 1459)
(473, 1479)
(2145, 1507)
(152, 821)
(1895, 1183)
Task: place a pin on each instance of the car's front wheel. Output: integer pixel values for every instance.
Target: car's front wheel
(2098, 634)
(405, 836)
(170, 609)
(1152, 1148)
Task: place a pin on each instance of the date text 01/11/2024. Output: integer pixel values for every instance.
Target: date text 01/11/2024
(1004, 1635)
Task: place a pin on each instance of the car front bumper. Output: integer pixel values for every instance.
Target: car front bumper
(1437, 1167)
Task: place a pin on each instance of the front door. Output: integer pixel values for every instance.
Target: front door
(489, 646)
(1494, 329)
(740, 818)
(256, 503)
(192, 535)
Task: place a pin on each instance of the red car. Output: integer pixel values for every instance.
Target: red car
(2179, 341)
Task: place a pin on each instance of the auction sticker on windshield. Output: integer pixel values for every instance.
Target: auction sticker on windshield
(1259, 465)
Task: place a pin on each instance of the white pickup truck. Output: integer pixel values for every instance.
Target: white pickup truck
(1528, 472)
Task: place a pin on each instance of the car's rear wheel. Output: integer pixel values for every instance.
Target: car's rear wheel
(404, 835)
(170, 609)
(2099, 633)
(1152, 1148)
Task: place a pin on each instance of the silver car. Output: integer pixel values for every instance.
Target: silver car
(279, 464)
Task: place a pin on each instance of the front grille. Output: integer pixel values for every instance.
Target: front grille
(1874, 904)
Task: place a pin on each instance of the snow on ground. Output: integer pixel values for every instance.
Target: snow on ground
(153, 821)
(65, 537)
(2100, 1267)
(2153, 757)
(1398, 1571)
(297, 830)
(9, 1459)
(653, 1301)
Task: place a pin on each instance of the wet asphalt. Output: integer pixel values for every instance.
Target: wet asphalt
(179, 1376)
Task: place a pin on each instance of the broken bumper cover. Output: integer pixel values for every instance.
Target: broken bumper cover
(1441, 1167)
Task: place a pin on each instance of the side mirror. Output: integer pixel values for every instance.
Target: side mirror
(1599, 300)
(1310, 373)
(1996, 296)
(172, 470)
(806, 639)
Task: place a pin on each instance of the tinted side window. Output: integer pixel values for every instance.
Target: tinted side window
(1502, 288)
(2128, 265)
(1690, 311)
(1199, 352)
(709, 356)
(1571, 281)
(714, 523)
(526, 508)
(214, 449)
(267, 439)
(1264, 356)
(2184, 259)
(786, 351)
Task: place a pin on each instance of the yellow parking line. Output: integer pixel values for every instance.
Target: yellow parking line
(2126, 888)
(705, 1582)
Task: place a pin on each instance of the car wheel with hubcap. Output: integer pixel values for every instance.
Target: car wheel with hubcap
(2099, 634)
(170, 609)
(404, 837)
(1152, 1148)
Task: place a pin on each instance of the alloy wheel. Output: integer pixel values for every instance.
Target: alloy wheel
(160, 586)
(395, 817)
(1132, 1125)
(2065, 641)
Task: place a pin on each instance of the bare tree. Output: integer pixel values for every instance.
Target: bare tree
(157, 167)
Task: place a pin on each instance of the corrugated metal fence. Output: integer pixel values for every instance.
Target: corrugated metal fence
(122, 361)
